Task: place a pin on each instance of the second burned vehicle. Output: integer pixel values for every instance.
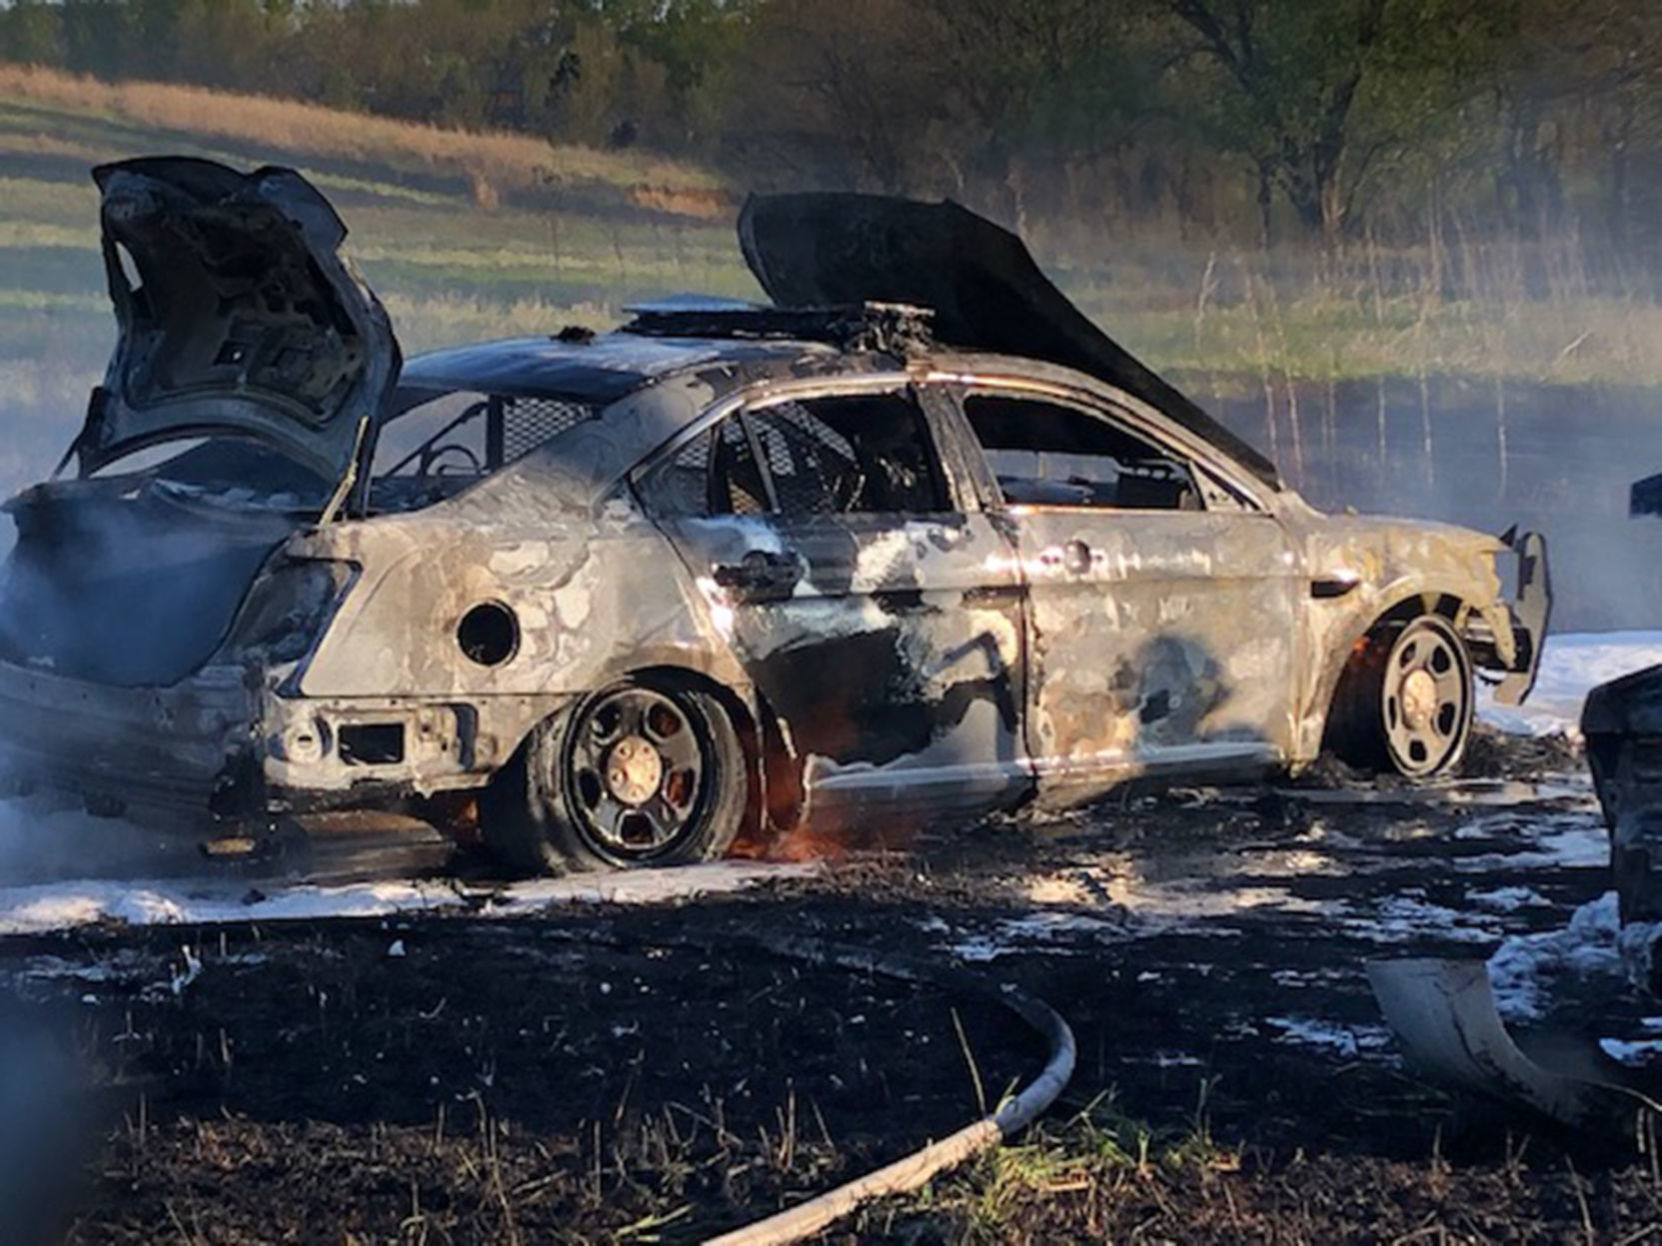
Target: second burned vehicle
(916, 540)
(1621, 723)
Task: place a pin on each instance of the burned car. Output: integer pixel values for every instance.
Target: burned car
(1621, 723)
(916, 540)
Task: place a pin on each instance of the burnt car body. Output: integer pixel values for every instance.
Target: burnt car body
(916, 541)
(1621, 723)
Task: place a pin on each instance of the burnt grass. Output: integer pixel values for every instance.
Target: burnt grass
(656, 1074)
(487, 1081)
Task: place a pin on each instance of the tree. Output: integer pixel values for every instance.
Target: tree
(844, 95)
(1288, 75)
(1034, 86)
(1578, 89)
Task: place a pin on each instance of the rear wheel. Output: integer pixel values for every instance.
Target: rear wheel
(645, 772)
(1405, 701)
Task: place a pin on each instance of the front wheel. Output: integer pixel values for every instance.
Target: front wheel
(643, 773)
(1405, 701)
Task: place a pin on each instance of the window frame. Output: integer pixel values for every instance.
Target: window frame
(957, 494)
(1211, 472)
(487, 418)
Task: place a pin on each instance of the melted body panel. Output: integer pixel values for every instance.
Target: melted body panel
(891, 647)
(1394, 565)
(164, 752)
(979, 281)
(1159, 643)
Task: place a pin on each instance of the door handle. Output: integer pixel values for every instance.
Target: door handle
(1076, 557)
(760, 573)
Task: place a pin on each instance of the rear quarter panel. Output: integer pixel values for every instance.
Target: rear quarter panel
(593, 597)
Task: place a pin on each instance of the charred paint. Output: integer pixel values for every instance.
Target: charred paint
(1622, 725)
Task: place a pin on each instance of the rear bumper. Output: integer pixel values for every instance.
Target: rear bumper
(219, 749)
(181, 752)
(321, 754)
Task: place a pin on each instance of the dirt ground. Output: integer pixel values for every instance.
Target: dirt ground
(652, 1073)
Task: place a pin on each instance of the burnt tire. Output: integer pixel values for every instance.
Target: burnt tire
(645, 772)
(1405, 700)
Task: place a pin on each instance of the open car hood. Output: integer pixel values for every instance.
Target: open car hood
(236, 313)
(979, 279)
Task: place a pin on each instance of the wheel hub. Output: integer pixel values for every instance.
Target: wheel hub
(634, 770)
(1419, 698)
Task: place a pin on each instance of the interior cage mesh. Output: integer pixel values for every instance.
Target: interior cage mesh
(528, 422)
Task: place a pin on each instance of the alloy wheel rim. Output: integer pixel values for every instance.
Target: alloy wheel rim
(1427, 695)
(635, 773)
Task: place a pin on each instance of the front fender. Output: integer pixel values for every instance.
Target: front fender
(1448, 573)
(1336, 642)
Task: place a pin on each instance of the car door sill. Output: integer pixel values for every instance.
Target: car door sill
(1205, 756)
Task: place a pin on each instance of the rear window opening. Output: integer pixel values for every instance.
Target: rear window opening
(239, 473)
(437, 443)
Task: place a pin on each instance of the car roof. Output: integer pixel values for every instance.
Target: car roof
(678, 377)
(653, 385)
(601, 368)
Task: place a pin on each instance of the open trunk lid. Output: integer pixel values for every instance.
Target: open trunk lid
(987, 293)
(237, 315)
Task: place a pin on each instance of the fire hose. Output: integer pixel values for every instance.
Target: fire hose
(912, 1171)
(915, 1170)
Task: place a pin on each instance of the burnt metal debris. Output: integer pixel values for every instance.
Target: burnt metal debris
(1621, 723)
(884, 328)
(620, 599)
(1443, 1013)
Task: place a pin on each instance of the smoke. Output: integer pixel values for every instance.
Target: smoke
(134, 583)
(50, 1118)
(114, 585)
(45, 1128)
(46, 839)
(1556, 458)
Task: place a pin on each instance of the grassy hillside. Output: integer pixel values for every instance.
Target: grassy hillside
(463, 235)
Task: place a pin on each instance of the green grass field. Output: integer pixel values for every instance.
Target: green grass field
(575, 239)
